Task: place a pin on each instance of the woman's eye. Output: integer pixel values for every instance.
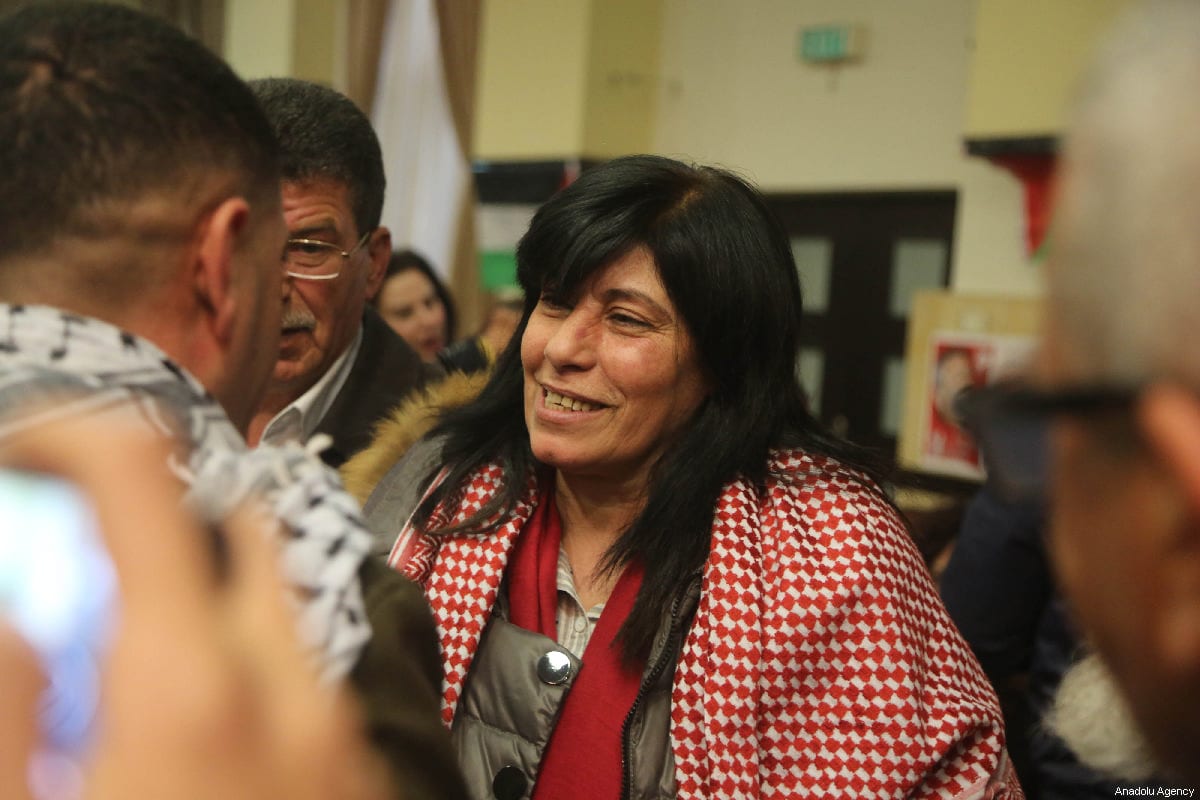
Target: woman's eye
(551, 306)
(629, 320)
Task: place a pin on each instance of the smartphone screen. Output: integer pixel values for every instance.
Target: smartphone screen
(58, 590)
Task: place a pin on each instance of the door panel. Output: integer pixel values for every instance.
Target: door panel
(861, 256)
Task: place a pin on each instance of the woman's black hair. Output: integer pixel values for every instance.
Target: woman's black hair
(728, 269)
(403, 261)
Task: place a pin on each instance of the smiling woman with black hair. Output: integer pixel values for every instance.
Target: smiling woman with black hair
(654, 573)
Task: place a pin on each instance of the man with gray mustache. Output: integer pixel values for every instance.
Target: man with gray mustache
(340, 368)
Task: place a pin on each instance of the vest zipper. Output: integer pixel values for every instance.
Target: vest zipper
(655, 670)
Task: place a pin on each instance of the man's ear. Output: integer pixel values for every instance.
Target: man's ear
(1168, 417)
(218, 239)
(380, 249)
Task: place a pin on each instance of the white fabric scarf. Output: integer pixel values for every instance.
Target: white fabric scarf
(65, 364)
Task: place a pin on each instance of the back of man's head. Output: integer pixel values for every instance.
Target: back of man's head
(1124, 287)
(323, 135)
(102, 106)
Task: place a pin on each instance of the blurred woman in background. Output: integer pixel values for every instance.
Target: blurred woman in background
(415, 303)
(418, 306)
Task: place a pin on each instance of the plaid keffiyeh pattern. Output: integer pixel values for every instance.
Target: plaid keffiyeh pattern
(820, 663)
(53, 363)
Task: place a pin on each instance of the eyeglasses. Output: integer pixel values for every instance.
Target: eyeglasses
(1011, 425)
(313, 260)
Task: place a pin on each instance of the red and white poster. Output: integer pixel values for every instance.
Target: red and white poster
(960, 361)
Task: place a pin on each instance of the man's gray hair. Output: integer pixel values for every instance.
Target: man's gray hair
(1124, 282)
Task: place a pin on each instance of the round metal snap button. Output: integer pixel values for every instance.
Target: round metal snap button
(509, 784)
(554, 667)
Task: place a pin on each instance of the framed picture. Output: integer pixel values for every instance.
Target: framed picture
(959, 361)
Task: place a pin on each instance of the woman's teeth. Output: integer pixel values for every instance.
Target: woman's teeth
(563, 403)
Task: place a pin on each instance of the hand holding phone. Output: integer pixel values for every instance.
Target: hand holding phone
(205, 689)
(57, 589)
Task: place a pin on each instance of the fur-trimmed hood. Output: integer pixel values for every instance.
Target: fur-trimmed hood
(404, 426)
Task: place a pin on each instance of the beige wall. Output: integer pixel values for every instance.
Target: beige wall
(314, 40)
(1028, 54)
(718, 81)
(622, 77)
(566, 78)
(734, 92)
(533, 60)
(286, 38)
(572, 78)
(258, 37)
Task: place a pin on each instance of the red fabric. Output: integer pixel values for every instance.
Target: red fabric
(1036, 173)
(820, 662)
(585, 746)
(533, 573)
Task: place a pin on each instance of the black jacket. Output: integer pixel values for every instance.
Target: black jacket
(384, 372)
(398, 680)
(1000, 592)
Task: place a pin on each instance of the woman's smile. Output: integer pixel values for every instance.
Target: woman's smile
(623, 340)
(555, 401)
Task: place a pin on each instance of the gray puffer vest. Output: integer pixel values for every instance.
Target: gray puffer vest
(514, 692)
(519, 679)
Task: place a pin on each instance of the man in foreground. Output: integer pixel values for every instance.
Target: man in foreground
(140, 242)
(1120, 375)
(252, 720)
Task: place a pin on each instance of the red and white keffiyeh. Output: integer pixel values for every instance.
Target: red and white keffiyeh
(820, 663)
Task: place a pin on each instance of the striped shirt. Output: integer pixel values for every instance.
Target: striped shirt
(574, 623)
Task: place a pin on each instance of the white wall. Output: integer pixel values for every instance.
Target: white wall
(733, 92)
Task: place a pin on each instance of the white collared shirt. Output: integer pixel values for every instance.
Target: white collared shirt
(297, 421)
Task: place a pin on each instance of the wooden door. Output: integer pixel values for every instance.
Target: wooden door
(861, 256)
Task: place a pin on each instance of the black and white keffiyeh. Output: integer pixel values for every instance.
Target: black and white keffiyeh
(60, 363)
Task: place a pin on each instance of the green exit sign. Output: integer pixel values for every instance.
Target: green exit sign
(830, 43)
